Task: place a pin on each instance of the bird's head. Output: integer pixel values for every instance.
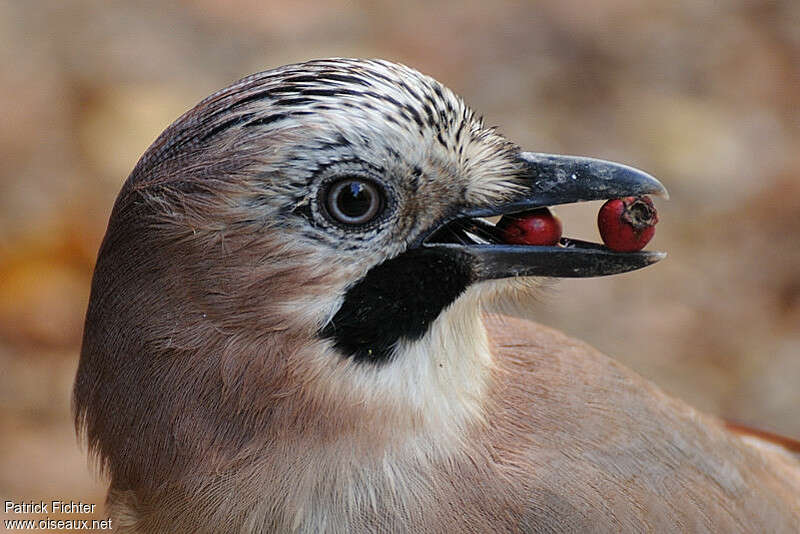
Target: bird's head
(314, 236)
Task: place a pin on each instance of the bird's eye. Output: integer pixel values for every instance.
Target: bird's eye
(354, 201)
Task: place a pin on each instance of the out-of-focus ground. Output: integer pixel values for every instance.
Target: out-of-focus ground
(704, 95)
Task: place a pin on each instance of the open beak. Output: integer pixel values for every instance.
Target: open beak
(551, 180)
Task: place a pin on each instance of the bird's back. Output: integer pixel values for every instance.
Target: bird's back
(600, 449)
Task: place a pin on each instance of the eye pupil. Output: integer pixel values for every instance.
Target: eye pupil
(354, 201)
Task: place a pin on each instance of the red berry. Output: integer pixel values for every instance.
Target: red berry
(535, 227)
(627, 224)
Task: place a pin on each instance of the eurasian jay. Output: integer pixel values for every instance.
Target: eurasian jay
(302, 321)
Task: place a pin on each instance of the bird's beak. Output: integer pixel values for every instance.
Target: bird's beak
(548, 180)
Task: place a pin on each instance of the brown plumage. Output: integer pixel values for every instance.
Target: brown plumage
(299, 322)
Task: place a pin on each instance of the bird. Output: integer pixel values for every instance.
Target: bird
(302, 319)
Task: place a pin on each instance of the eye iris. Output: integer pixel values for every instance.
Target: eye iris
(354, 201)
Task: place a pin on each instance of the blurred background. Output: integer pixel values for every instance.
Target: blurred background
(704, 95)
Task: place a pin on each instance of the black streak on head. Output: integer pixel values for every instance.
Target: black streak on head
(225, 125)
(296, 101)
(397, 300)
(344, 78)
(269, 119)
